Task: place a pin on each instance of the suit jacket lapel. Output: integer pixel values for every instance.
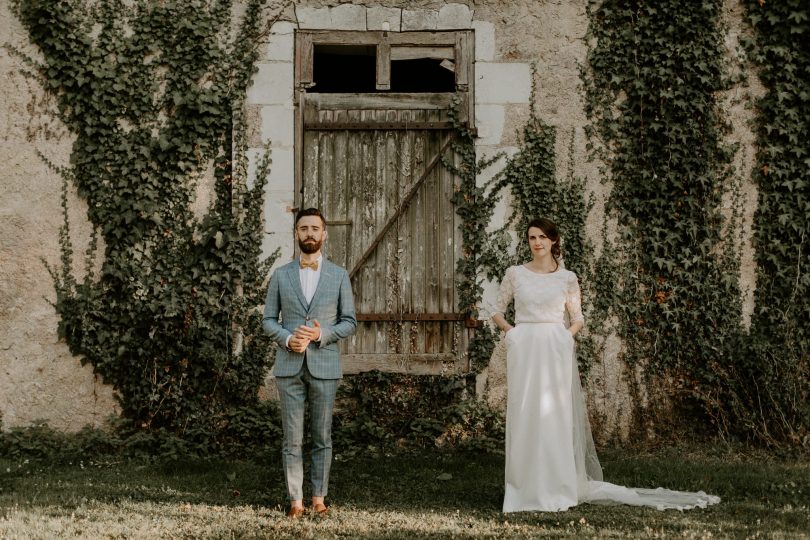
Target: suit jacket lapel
(292, 273)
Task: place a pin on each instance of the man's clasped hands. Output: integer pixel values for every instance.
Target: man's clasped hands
(303, 335)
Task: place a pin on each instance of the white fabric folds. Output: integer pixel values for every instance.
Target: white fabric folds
(551, 460)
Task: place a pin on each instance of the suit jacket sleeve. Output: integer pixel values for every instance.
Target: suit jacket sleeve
(272, 309)
(346, 320)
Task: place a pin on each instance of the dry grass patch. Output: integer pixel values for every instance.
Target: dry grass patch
(424, 495)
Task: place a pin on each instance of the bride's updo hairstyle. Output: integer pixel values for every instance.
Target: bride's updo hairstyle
(549, 228)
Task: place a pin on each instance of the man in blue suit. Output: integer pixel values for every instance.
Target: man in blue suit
(309, 307)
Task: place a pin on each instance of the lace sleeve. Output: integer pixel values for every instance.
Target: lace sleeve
(573, 300)
(506, 292)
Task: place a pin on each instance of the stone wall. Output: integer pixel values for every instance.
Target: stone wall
(39, 379)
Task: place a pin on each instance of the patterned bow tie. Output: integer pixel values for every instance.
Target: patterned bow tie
(313, 265)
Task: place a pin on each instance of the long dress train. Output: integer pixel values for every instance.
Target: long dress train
(551, 461)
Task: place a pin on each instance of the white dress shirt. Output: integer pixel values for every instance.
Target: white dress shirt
(309, 282)
(309, 279)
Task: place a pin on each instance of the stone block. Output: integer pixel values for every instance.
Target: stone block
(484, 41)
(376, 16)
(272, 84)
(280, 47)
(454, 17)
(502, 82)
(282, 172)
(489, 119)
(313, 18)
(348, 17)
(278, 125)
(283, 27)
(278, 226)
(419, 19)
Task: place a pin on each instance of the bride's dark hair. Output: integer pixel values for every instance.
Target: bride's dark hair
(549, 228)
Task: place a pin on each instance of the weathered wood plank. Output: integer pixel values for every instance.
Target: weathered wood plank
(414, 364)
(406, 180)
(369, 275)
(380, 216)
(383, 65)
(325, 166)
(311, 165)
(304, 57)
(417, 225)
(342, 37)
(298, 152)
(321, 125)
(432, 231)
(354, 211)
(397, 101)
(415, 53)
(462, 61)
(447, 258)
(339, 234)
(399, 316)
(435, 39)
(391, 141)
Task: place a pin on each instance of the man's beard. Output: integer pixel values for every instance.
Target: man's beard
(310, 245)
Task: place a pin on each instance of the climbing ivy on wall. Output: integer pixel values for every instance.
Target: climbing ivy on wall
(530, 177)
(153, 93)
(778, 365)
(652, 95)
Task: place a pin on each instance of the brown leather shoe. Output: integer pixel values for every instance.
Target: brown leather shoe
(321, 509)
(295, 512)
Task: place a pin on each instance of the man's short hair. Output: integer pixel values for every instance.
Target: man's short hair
(309, 212)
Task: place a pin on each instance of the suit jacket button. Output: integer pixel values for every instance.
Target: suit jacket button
(307, 318)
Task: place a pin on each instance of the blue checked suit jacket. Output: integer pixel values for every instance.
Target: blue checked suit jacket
(286, 309)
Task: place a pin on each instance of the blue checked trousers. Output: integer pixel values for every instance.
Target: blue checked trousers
(293, 393)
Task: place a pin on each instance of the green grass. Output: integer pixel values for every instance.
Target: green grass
(424, 495)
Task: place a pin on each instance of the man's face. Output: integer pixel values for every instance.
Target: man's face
(310, 233)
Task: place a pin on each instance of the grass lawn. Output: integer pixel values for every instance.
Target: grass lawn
(435, 494)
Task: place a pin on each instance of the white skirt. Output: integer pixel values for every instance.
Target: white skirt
(551, 461)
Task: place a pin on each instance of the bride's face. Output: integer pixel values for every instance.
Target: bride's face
(539, 243)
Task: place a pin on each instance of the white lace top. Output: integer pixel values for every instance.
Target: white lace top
(540, 297)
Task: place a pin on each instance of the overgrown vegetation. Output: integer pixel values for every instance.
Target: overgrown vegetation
(656, 72)
(154, 93)
(773, 374)
(380, 411)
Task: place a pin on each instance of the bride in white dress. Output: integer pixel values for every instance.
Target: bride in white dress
(551, 462)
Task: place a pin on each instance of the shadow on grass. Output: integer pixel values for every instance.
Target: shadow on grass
(414, 491)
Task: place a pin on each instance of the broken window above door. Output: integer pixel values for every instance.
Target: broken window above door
(380, 62)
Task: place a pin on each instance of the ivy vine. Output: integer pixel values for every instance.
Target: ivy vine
(154, 95)
(776, 369)
(652, 95)
(530, 176)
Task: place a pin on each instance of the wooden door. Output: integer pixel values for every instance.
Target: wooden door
(372, 164)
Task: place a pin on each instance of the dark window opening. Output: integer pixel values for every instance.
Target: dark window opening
(344, 68)
(353, 69)
(422, 75)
